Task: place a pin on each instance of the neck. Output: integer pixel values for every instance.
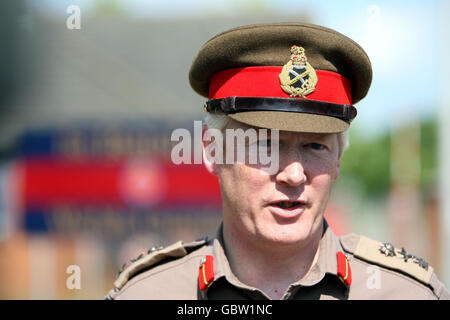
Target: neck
(283, 265)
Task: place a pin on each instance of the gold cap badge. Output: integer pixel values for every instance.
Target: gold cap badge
(298, 78)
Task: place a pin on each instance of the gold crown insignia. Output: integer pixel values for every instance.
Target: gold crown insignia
(297, 50)
(298, 78)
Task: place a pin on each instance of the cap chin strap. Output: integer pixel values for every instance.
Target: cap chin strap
(232, 105)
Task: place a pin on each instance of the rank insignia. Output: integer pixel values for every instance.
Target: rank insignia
(388, 249)
(406, 256)
(344, 272)
(298, 78)
(422, 263)
(206, 272)
(419, 261)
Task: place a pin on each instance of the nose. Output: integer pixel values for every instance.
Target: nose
(293, 174)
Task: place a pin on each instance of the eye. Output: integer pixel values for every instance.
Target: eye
(316, 146)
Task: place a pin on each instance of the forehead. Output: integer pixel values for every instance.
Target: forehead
(232, 124)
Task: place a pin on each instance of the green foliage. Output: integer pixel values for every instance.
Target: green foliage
(366, 164)
(107, 8)
(429, 156)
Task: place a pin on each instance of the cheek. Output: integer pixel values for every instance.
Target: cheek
(240, 183)
(321, 172)
(322, 183)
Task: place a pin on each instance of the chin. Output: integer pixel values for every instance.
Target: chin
(288, 234)
(299, 232)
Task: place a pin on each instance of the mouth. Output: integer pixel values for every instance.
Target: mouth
(287, 208)
(287, 204)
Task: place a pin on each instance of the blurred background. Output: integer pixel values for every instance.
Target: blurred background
(90, 92)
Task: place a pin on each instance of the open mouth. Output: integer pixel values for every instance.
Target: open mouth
(288, 209)
(288, 204)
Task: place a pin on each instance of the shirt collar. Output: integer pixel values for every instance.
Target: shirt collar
(222, 266)
(326, 262)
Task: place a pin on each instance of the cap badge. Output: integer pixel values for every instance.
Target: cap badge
(298, 78)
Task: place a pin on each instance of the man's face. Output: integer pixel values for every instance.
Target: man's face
(285, 208)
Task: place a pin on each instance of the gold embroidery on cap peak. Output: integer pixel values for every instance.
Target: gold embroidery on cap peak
(298, 78)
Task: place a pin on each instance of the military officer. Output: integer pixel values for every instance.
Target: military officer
(273, 241)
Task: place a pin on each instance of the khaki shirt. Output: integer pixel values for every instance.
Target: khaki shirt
(173, 273)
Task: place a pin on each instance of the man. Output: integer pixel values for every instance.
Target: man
(273, 242)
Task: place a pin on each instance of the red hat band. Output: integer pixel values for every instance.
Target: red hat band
(331, 87)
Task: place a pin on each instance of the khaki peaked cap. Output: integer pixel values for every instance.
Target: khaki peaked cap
(270, 45)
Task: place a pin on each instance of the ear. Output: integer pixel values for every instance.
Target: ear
(208, 161)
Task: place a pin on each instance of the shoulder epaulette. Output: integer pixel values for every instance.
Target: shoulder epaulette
(154, 256)
(386, 255)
